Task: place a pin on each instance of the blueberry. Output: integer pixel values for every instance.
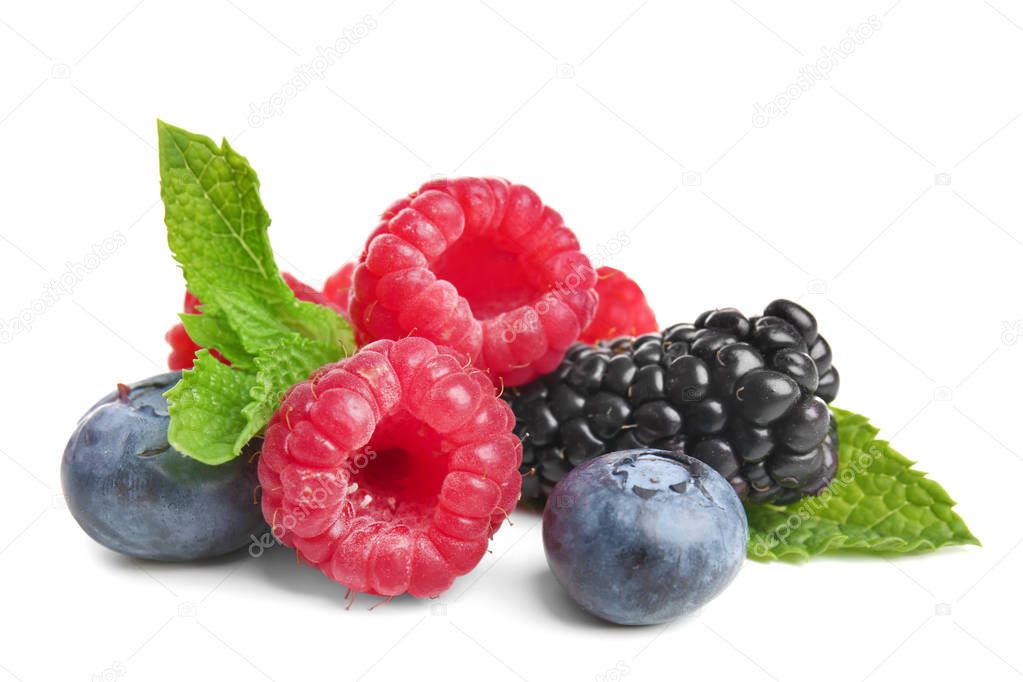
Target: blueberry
(643, 536)
(135, 494)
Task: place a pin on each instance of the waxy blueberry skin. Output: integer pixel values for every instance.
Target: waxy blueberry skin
(639, 537)
(135, 494)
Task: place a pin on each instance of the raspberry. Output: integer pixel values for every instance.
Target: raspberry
(390, 470)
(337, 287)
(622, 309)
(304, 292)
(183, 348)
(748, 396)
(482, 266)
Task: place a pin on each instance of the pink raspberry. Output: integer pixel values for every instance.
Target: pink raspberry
(622, 309)
(482, 266)
(183, 348)
(337, 286)
(390, 470)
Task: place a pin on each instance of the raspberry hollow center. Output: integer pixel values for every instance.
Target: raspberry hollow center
(479, 265)
(399, 476)
(492, 280)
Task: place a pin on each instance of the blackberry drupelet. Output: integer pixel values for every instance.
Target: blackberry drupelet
(748, 396)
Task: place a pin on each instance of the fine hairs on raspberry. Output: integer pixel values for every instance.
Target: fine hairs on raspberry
(622, 309)
(479, 265)
(390, 470)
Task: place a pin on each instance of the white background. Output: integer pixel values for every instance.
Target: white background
(887, 197)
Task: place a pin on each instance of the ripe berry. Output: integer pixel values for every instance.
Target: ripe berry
(390, 470)
(763, 396)
(482, 266)
(644, 536)
(746, 395)
(337, 288)
(131, 491)
(622, 309)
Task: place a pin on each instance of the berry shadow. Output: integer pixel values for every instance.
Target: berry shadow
(551, 597)
(122, 562)
(274, 569)
(278, 568)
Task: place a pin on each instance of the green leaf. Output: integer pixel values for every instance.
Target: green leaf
(211, 330)
(207, 410)
(278, 369)
(877, 504)
(217, 229)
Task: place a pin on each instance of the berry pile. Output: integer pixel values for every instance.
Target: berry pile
(746, 395)
(494, 365)
(390, 470)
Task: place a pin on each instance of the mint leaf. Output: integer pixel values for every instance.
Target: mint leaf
(206, 409)
(278, 369)
(877, 503)
(217, 230)
(211, 330)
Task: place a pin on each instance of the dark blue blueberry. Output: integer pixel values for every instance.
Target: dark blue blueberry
(135, 494)
(643, 536)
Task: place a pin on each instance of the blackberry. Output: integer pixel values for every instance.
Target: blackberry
(746, 395)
